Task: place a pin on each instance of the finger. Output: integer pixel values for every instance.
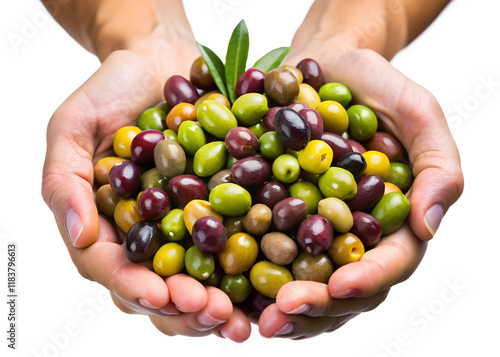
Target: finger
(392, 261)
(130, 308)
(237, 328)
(68, 176)
(313, 299)
(275, 323)
(187, 293)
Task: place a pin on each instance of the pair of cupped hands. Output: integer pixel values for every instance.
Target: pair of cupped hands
(81, 132)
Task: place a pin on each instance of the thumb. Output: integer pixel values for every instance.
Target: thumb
(68, 176)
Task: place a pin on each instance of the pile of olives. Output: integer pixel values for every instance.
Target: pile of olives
(288, 182)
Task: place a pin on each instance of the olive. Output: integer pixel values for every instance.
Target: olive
(316, 157)
(152, 118)
(312, 73)
(271, 193)
(281, 87)
(298, 106)
(209, 235)
(296, 72)
(237, 287)
(391, 211)
(337, 213)
(339, 145)
(356, 146)
(173, 226)
(309, 267)
(169, 259)
(270, 146)
(251, 81)
(292, 129)
(233, 224)
(268, 119)
(153, 178)
(390, 187)
(388, 144)
(124, 179)
(279, 248)
(199, 265)
(106, 200)
(337, 92)
(142, 241)
(123, 139)
(215, 278)
(184, 188)
(239, 253)
(191, 137)
(377, 163)
(178, 90)
(346, 248)
(230, 199)
(153, 203)
(256, 303)
(267, 278)
(370, 189)
(126, 214)
(337, 182)
(241, 142)
(196, 209)
(363, 122)
(353, 162)
(315, 122)
(366, 228)
(258, 219)
(289, 213)
(200, 75)
(258, 129)
(216, 118)
(309, 192)
(102, 167)
(308, 95)
(400, 175)
(250, 108)
(250, 171)
(143, 146)
(335, 118)
(315, 234)
(210, 159)
(223, 176)
(170, 158)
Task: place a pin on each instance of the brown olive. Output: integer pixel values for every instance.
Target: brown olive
(170, 158)
(200, 75)
(281, 87)
(106, 200)
(279, 248)
(312, 267)
(258, 219)
(233, 224)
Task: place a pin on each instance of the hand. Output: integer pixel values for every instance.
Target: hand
(304, 309)
(81, 132)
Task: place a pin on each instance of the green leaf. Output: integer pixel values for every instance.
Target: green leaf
(215, 66)
(236, 57)
(272, 59)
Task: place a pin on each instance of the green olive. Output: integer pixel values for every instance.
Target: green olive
(170, 134)
(363, 122)
(237, 287)
(250, 108)
(337, 182)
(210, 159)
(172, 225)
(191, 137)
(216, 118)
(400, 175)
(270, 146)
(337, 213)
(153, 179)
(308, 192)
(258, 129)
(230, 199)
(337, 92)
(170, 158)
(267, 278)
(199, 265)
(152, 118)
(391, 211)
(239, 253)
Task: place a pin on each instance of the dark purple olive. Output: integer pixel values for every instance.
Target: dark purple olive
(185, 188)
(370, 189)
(289, 213)
(353, 162)
(143, 146)
(154, 203)
(124, 179)
(252, 81)
(356, 146)
(251, 171)
(256, 303)
(387, 144)
(315, 122)
(241, 142)
(315, 234)
(312, 73)
(292, 129)
(366, 228)
(298, 106)
(339, 145)
(209, 235)
(200, 75)
(142, 241)
(179, 90)
(281, 87)
(271, 193)
(268, 119)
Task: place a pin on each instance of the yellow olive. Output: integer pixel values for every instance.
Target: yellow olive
(267, 278)
(239, 253)
(337, 213)
(102, 167)
(106, 200)
(122, 140)
(377, 163)
(196, 209)
(316, 157)
(346, 248)
(127, 214)
(169, 259)
(335, 118)
(308, 95)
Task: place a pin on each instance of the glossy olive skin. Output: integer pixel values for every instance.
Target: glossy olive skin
(315, 122)
(366, 228)
(400, 175)
(230, 199)
(309, 192)
(241, 142)
(152, 118)
(258, 219)
(388, 144)
(370, 189)
(298, 106)
(251, 171)
(292, 129)
(353, 162)
(237, 287)
(170, 158)
(153, 178)
(267, 278)
(335, 118)
(143, 146)
(154, 203)
(281, 87)
(363, 122)
(279, 248)
(234, 224)
(173, 226)
(356, 146)
(196, 209)
(391, 211)
(313, 75)
(169, 259)
(250, 108)
(216, 118)
(337, 92)
(102, 167)
(210, 159)
(268, 119)
(270, 146)
(184, 188)
(142, 241)
(179, 90)
(126, 214)
(271, 193)
(223, 176)
(123, 139)
(200, 75)
(199, 265)
(124, 179)
(309, 267)
(289, 213)
(315, 234)
(191, 137)
(337, 212)
(258, 129)
(308, 95)
(239, 253)
(251, 81)
(337, 182)
(106, 200)
(209, 235)
(346, 248)
(339, 145)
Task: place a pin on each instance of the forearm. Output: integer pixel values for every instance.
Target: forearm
(103, 26)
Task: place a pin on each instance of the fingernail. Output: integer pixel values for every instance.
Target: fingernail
(74, 226)
(433, 218)
(301, 309)
(285, 330)
(147, 304)
(223, 334)
(178, 308)
(345, 294)
(169, 310)
(206, 319)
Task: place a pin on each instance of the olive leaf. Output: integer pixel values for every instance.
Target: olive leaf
(215, 66)
(236, 57)
(272, 59)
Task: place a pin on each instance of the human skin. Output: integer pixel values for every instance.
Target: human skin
(156, 43)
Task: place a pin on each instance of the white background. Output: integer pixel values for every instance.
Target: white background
(453, 59)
